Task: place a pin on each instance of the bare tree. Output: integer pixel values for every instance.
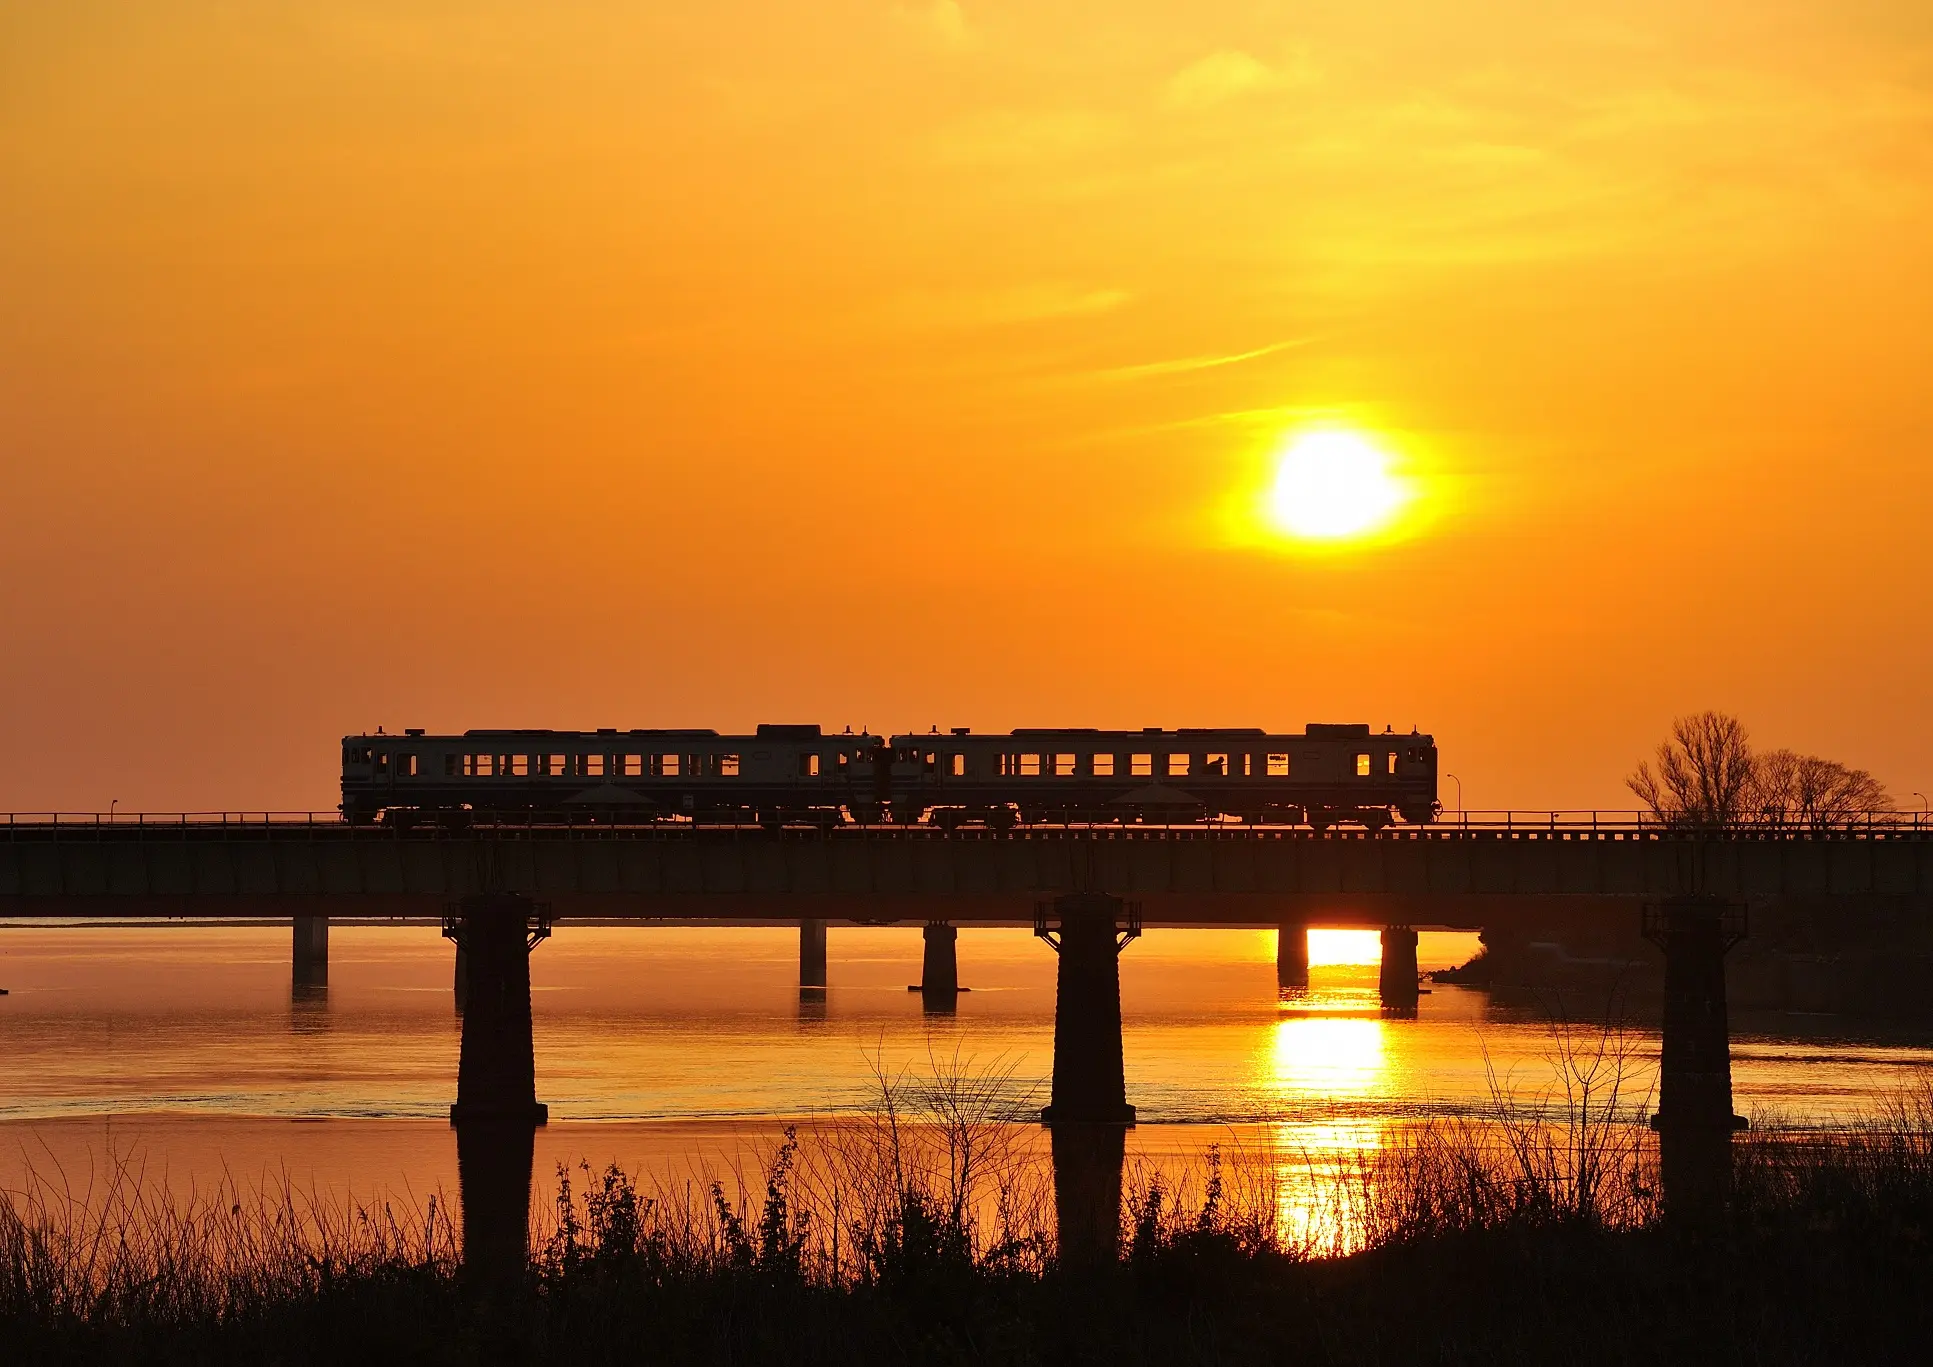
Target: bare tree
(1703, 774)
(1804, 790)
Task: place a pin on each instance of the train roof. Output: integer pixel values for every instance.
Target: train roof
(766, 732)
(1314, 731)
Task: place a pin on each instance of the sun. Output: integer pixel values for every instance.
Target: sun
(1332, 485)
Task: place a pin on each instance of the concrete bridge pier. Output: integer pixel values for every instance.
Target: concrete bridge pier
(1694, 1120)
(494, 1159)
(812, 956)
(496, 1078)
(1292, 957)
(940, 968)
(1088, 930)
(1399, 980)
(311, 952)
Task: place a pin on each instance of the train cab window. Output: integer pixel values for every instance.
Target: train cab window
(930, 763)
(1178, 764)
(1030, 766)
(382, 762)
(844, 762)
(1216, 765)
(1362, 766)
(808, 765)
(1141, 766)
(958, 768)
(406, 764)
(1065, 766)
(1392, 761)
(1278, 766)
(1101, 766)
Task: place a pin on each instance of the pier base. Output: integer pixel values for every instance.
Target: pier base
(1695, 1121)
(1088, 930)
(1292, 957)
(310, 959)
(496, 1079)
(493, 1170)
(812, 954)
(1088, 1162)
(1399, 979)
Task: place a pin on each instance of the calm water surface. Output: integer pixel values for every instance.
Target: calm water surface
(185, 1050)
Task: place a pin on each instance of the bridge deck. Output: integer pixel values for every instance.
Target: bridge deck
(1446, 874)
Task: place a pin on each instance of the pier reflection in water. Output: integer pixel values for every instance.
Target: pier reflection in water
(697, 1045)
(494, 1163)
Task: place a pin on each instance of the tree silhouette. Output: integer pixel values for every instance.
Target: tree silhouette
(1703, 774)
(1706, 774)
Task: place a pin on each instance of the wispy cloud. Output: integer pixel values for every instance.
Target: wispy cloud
(1185, 364)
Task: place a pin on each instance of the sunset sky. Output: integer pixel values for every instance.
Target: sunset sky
(426, 363)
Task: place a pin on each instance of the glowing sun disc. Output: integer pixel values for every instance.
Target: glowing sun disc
(1332, 485)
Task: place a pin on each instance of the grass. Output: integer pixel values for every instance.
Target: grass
(926, 1233)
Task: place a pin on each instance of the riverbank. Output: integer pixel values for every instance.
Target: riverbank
(940, 1244)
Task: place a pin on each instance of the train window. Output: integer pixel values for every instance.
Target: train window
(520, 766)
(1362, 766)
(555, 764)
(406, 764)
(1392, 761)
(843, 762)
(1216, 765)
(959, 764)
(1064, 765)
(664, 766)
(808, 765)
(630, 766)
(1178, 764)
(594, 766)
(1101, 766)
(1278, 766)
(930, 763)
(728, 766)
(1030, 766)
(1141, 766)
(382, 761)
(449, 766)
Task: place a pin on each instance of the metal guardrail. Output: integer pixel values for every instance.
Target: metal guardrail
(1552, 823)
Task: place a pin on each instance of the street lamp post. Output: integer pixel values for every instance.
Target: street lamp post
(1923, 809)
(1459, 792)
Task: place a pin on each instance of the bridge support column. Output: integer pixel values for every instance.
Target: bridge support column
(1292, 956)
(311, 952)
(1088, 930)
(1694, 1120)
(496, 1078)
(1399, 979)
(940, 967)
(812, 955)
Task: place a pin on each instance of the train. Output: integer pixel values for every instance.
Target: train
(1328, 774)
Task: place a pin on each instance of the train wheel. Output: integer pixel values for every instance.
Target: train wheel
(1375, 821)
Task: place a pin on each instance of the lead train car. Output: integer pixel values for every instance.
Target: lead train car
(1325, 775)
(778, 774)
(796, 774)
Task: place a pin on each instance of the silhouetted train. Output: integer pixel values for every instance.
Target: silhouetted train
(798, 775)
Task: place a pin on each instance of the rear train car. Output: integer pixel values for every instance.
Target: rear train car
(1326, 775)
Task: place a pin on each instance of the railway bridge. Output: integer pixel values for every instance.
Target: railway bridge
(501, 889)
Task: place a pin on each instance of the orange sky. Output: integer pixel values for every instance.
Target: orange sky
(598, 363)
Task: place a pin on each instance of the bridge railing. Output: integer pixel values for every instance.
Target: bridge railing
(1472, 821)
